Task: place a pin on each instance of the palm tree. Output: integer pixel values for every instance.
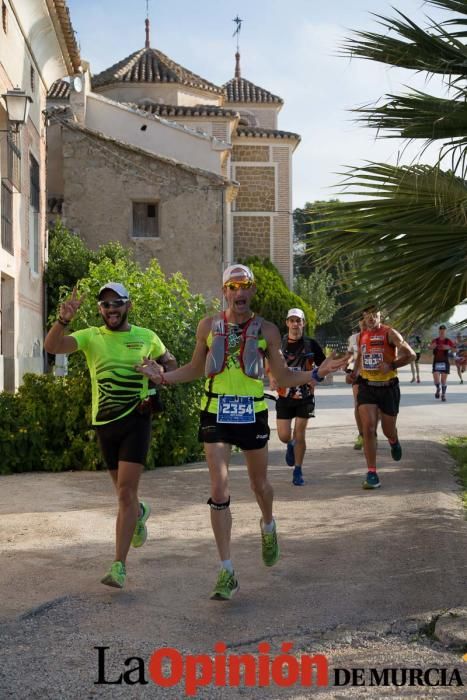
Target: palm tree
(408, 226)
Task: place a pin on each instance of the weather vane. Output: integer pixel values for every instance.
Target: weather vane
(236, 33)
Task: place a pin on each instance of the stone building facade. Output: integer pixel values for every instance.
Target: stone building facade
(228, 134)
(121, 181)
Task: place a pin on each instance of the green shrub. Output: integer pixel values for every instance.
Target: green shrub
(45, 426)
(273, 298)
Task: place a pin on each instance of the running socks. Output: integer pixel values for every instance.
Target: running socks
(227, 564)
(268, 529)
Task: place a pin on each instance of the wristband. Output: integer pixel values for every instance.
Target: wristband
(393, 366)
(62, 322)
(315, 375)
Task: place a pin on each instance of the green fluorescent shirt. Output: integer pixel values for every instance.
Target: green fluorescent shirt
(111, 356)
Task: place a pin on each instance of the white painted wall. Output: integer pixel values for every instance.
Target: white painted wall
(168, 94)
(160, 137)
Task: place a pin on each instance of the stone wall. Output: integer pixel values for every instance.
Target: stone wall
(102, 179)
(257, 188)
(252, 236)
(250, 153)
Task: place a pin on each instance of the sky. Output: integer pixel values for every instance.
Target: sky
(289, 48)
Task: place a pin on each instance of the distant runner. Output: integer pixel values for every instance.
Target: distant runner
(441, 347)
(382, 350)
(296, 403)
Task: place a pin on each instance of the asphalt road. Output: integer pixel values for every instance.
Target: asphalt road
(360, 575)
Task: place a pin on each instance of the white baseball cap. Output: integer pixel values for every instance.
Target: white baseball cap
(237, 272)
(296, 312)
(115, 287)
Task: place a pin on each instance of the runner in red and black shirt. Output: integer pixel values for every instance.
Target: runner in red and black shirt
(296, 403)
(441, 347)
(381, 351)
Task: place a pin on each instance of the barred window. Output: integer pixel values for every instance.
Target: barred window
(145, 220)
(7, 219)
(11, 160)
(34, 215)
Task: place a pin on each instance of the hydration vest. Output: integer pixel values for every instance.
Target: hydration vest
(251, 356)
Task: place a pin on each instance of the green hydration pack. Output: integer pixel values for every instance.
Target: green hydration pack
(251, 356)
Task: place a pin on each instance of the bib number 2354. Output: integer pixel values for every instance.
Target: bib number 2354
(235, 409)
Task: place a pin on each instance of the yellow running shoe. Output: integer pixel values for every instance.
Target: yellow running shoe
(226, 586)
(115, 576)
(269, 546)
(140, 534)
(358, 444)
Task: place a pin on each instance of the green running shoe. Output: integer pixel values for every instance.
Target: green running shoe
(226, 586)
(372, 481)
(358, 444)
(269, 545)
(140, 534)
(396, 451)
(115, 576)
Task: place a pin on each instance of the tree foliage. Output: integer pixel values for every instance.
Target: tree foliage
(273, 298)
(319, 291)
(337, 304)
(69, 260)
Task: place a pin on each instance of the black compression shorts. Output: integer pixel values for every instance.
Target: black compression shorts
(126, 439)
(248, 436)
(286, 409)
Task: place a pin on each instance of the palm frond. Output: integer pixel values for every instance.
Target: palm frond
(417, 115)
(417, 49)
(453, 5)
(411, 235)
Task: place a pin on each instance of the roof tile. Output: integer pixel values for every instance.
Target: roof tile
(60, 90)
(266, 133)
(173, 111)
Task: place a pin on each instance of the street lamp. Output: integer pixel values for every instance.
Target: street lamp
(17, 107)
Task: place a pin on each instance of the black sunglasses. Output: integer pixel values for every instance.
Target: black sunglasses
(112, 303)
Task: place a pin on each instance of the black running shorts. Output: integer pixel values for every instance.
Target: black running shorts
(249, 436)
(387, 398)
(286, 409)
(126, 439)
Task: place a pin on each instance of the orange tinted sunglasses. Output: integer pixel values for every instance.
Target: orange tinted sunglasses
(247, 284)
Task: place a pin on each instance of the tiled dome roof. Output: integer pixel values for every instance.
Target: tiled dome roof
(241, 90)
(151, 66)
